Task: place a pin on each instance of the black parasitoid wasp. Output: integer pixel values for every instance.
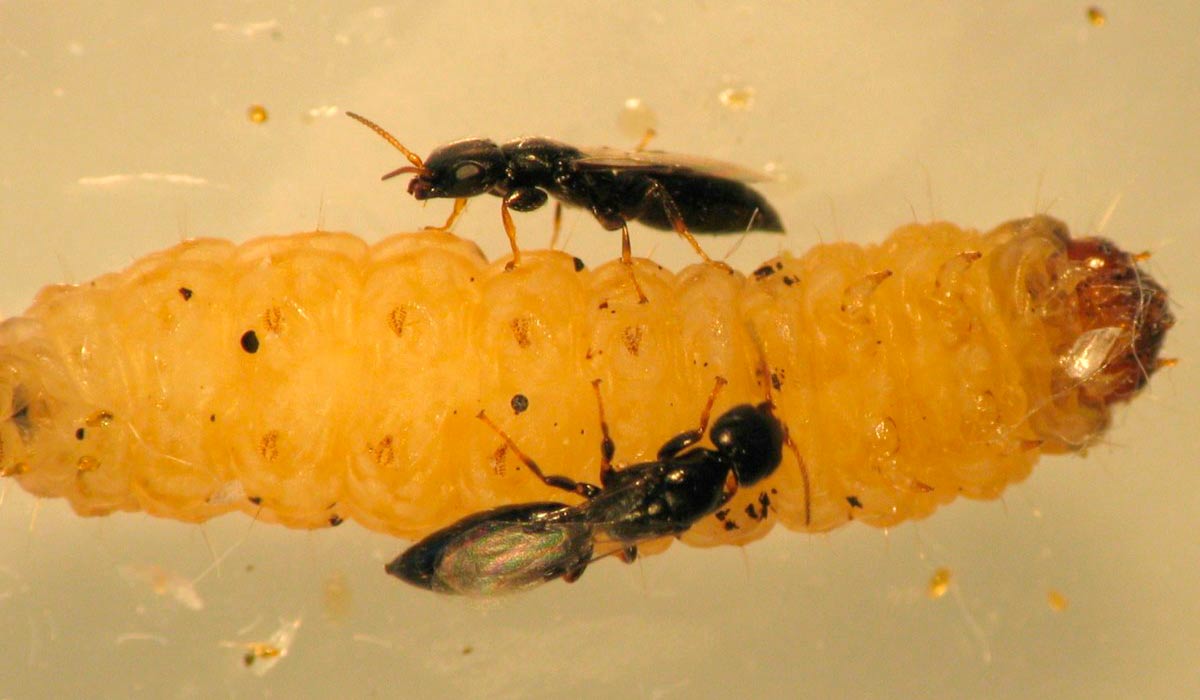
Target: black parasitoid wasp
(515, 547)
(662, 190)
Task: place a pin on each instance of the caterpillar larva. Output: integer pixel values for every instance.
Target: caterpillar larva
(311, 379)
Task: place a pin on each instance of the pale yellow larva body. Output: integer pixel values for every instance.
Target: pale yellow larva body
(908, 373)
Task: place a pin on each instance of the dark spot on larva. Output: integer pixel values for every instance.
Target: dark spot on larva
(854, 502)
(774, 492)
(268, 446)
(468, 649)
(776, 381)
(250, 342)
(80, 433)
(730, 525)
(256, 500)
(498, 460)
(335, 520)
(751, 512)
(765, 502)
(603, 305)
(185, 293)
(519, 403)
(632, 337)
(396, 320)
(273, 319)
(383, 452)
(212, 418)
(579, 266)
(789, 280)
(764, 271)
(778, 265)
(722, 514)
(520, 330)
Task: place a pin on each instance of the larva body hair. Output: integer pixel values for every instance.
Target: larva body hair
(311, 379)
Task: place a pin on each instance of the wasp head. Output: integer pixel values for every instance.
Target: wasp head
(460, 169)
(750, 437)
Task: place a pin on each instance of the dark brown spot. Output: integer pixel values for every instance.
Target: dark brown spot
(854, 502)
(730, 525)
(185, 293)
(498, 460)
(520, 331)
(722, 514)
(764, 271)
(335, 520)
(751, 512)
(632, 337)
(519, 403)
(789, 280)
(396, 320)
(79, 433)
(250, 342)
(776, 381)
(579, 266)
(273, 319)
(212, 418)
(383, 452)
(603, 305)
(256, 500)
(268, 446)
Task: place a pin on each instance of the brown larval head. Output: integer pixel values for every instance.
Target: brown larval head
(1115, 299)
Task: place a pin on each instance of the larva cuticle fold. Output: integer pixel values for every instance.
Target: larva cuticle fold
(312, 379)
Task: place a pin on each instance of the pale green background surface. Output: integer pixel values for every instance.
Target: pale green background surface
(874, 110)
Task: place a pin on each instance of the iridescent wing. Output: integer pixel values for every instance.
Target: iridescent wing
(664, 163)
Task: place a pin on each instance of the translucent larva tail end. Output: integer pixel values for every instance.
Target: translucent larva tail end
(1115, 293)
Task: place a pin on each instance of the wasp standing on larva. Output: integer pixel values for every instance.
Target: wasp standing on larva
(312, 379)
(662, 190)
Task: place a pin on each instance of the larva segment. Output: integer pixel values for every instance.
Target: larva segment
(311, 379)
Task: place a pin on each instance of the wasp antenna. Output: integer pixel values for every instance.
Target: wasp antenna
(401, 171)
(412, 157)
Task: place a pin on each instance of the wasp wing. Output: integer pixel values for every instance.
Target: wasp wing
(664, 163)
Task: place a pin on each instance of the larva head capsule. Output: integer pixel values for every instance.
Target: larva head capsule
(461, 169)
(1090, 321)
(1118, 296)
(750, 437)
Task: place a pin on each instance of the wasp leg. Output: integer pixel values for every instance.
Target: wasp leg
(460, 205)
(607, 447)
(655, 189)
(684, 440)
(588, 491)
(510, 230)
(557, 226)
(764, 371)
(627, 261)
